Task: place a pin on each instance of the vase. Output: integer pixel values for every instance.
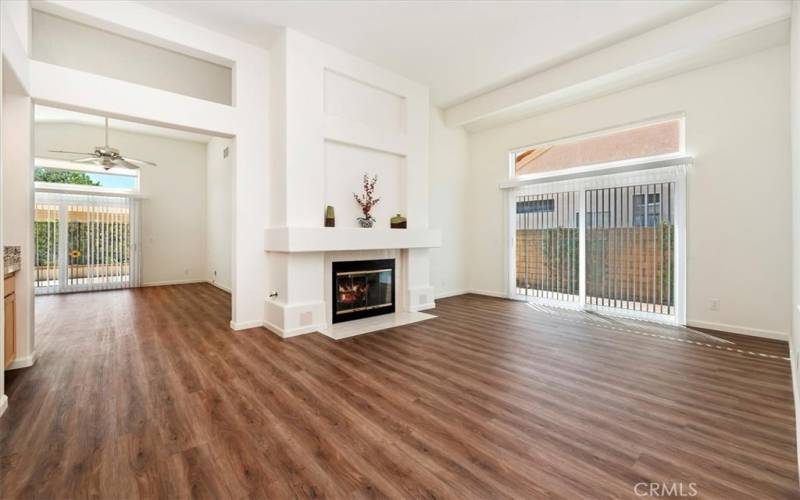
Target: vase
(398, 222)
(366, 221)
(330, 218)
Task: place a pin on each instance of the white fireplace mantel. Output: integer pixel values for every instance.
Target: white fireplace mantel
(337, 239)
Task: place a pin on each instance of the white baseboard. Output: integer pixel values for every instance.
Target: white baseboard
(22, 362)
(217, 285)
(172, 282)
(452, 293)
(244, 325)
(488, 293)
(423, 307)
(294, 332)
(3, 404)
(742, 330)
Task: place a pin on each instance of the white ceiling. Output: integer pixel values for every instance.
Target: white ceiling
(458, 49)
(44, 114)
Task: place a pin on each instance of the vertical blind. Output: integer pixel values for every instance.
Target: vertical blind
(85, 242)
(547, 245)
(629, 247)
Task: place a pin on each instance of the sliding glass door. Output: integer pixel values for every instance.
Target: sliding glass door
(85, 242)
(612, 244)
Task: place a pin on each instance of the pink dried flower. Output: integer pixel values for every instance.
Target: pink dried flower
(366, 200)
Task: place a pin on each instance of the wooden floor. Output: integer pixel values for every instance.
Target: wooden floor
(148, 394)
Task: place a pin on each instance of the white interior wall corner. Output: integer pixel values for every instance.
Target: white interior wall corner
(448, 210)
(219, 212)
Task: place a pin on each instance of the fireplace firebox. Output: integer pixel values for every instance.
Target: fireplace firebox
(362, 288)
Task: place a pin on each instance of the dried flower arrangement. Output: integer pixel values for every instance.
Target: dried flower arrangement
(367, 200)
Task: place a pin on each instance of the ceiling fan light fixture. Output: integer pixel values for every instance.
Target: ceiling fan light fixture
(108, 157)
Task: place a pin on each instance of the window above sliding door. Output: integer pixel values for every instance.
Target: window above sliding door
(68, 176)
(644, 140)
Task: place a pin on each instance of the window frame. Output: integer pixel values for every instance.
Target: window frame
(543, 206)
(70, 166)
(679, 117)
(642, 212)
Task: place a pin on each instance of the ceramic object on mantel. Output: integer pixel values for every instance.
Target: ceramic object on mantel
(330, 217)
(367, 221)
(398, 222)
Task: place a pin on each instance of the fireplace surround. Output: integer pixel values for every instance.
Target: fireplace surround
(362, 288)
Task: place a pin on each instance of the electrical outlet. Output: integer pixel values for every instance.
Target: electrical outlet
(713, 304)
(186, 272)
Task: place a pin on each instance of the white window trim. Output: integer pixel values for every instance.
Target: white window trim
(51, 187)
(598, 169)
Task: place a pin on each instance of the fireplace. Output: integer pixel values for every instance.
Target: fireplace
(362, 288)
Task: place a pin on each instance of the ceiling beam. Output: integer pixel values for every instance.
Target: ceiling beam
(721, 32)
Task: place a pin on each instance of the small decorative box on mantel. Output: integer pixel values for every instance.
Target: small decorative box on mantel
(398, 222)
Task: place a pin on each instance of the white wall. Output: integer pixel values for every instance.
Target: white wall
(449, 172)
(219, 216)
(14, 73)
(794, 339)
(174, 207)
(66, 43)
(17, 198)
(737, 120)
(345, 166)
(19, 15)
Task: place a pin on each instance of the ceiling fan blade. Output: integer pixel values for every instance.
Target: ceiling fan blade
(140, 162)
(69, 152)
(122, 162)
(88, 159)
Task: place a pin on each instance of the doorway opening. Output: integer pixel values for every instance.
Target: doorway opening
(120, 204)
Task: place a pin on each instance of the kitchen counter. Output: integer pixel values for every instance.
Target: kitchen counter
(12, 257)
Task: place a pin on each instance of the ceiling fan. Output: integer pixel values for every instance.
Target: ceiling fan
(108, 157)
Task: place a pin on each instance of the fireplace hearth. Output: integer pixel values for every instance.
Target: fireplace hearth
(363, 288)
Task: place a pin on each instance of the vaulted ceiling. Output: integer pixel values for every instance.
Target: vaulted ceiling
(458, 49)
